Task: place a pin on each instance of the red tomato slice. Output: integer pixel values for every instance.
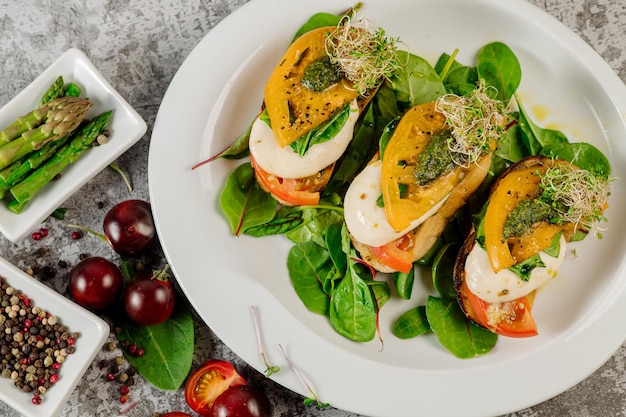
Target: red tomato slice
(516, 320)
(396, 254)
(207, 382)
(284, 188)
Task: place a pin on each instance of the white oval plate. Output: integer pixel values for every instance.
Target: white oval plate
(210, 102)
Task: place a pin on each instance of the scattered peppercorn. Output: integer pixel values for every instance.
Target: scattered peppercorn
(76, 235)
(34, 345)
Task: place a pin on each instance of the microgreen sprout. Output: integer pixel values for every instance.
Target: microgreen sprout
(578, 196)
(476, 121)
(312, 397)
(269, 369)
(363, 52)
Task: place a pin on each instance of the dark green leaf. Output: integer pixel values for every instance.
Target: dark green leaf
(243, 202)
(316, 21)
(286, 218)
(411, 324)
(352, 308)
(416, 82)
(310, 267)
(442, 270)
(455, 332)
(404, 283)
(168, 348)
(499, 67)
(582, 154)
(334, 243)
(317, 221)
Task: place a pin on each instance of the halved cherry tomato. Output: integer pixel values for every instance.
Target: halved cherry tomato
(284, 188)
(207, 382)
(516, 319)
(396, 254)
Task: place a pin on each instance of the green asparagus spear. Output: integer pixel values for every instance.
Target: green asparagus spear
(56, 90)
(18, 170)
(67, 114)
(80, 141)
(29, 121)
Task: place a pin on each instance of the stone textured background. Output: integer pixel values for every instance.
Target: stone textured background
(139, 47)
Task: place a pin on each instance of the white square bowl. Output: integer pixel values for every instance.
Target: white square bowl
(93, 333)
(126, 127)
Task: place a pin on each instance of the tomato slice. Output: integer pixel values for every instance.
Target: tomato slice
(284, 188)
(514, 317)
(207, 382)
(396, 254)
(175, 414)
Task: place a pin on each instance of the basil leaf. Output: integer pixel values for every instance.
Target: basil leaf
(168, 348)
(317, 21)
(525, 268)
(455, 332)
(322, 133)
(243, 202)
(411, 323)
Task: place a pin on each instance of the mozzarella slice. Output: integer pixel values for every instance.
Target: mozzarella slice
(366, 221)
(285, 163)
(506, 285)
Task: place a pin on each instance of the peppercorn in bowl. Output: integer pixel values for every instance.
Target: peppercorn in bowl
(47, 342)
(56, 135)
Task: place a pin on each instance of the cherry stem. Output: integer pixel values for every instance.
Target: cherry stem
(85, 229)
(161, 274)
(269, 368)
(304, 382)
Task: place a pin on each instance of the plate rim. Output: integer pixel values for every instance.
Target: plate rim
(608, 81)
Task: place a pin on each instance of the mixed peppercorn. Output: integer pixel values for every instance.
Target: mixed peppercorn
(33, 343)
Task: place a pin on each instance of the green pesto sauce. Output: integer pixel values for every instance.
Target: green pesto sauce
(321, 74)
(525, 214)
(435, 160)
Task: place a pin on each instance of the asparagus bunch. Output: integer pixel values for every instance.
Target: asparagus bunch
(62, 116)
(79, 142)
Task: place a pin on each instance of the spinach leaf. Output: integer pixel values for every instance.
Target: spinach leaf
(416, 82)
(316, 21)
(510, 147)
(535, 137)
(442, 270)
(411, 323)
(499, 67)
(458, 79)
(285, 219)
(582, 154)
(335, 245)
(353, 309)
(310, 267)
(455, 332)
(404, 283)
(168, 348)
(243, 202)
(317, 221)
(239, 148)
